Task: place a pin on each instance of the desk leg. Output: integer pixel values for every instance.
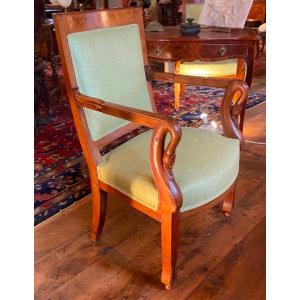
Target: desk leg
(240, 74)
(249, 76)
(241, 69)
(250, 64)
(177, 86)
(170, 67)
(182, 89)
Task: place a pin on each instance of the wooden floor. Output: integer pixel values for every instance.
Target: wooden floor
(219, 257)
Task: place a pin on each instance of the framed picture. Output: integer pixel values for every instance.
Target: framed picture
(225, 13)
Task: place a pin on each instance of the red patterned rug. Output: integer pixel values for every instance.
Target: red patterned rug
(61, 174)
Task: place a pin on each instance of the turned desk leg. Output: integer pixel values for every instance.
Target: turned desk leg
(177, 95)
(240, 74)
(177, 86)
(182, 89)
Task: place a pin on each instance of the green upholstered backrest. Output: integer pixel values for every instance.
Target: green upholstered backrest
(108, 64)
(193, 10)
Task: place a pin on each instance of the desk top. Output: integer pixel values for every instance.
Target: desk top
(171, 33)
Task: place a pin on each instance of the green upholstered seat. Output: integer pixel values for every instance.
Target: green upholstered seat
(206, 166)
(108, 64)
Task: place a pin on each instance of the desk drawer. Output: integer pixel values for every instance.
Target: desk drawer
(164, 52)
(221, 50)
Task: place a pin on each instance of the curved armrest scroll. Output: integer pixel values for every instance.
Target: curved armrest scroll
(232, 113)
(162, 160)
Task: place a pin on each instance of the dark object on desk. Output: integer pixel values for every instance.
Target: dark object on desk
(168, 14)
(253, 23)
(189, 28)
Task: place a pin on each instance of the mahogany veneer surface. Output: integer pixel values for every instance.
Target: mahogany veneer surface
(172, 33)
(209, 45)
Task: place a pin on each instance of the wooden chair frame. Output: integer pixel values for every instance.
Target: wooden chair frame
(161, 158)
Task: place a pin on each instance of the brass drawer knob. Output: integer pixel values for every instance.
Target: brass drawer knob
(222, 50)
(157, 51)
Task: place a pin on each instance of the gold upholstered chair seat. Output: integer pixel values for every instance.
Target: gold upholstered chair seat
(206, 166)
(221, 68)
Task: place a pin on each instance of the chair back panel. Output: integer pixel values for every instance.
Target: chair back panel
(66, 23)
(108, 64)
(74, 22)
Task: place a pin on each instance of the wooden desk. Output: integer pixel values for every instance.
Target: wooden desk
(208, 45)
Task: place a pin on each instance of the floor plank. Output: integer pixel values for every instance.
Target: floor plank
(241, 275)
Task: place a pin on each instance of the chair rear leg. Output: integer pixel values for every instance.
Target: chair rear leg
(182, 89)
(228, 201)
(99, 203)
(177, 86)
(177, 95)
(169, 247)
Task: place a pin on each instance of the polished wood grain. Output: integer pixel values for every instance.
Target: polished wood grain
(162, 157)
(218, 258)
(170, 45)
(208, 45)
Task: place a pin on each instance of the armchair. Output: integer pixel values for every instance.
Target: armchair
(103, 56)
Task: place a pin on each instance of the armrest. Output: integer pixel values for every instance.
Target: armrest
(161, 158)
(232, 112)
(145, 118)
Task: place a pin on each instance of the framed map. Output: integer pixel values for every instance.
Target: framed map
(225, 13)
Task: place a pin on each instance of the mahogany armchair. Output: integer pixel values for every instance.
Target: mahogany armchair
(108, 83)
